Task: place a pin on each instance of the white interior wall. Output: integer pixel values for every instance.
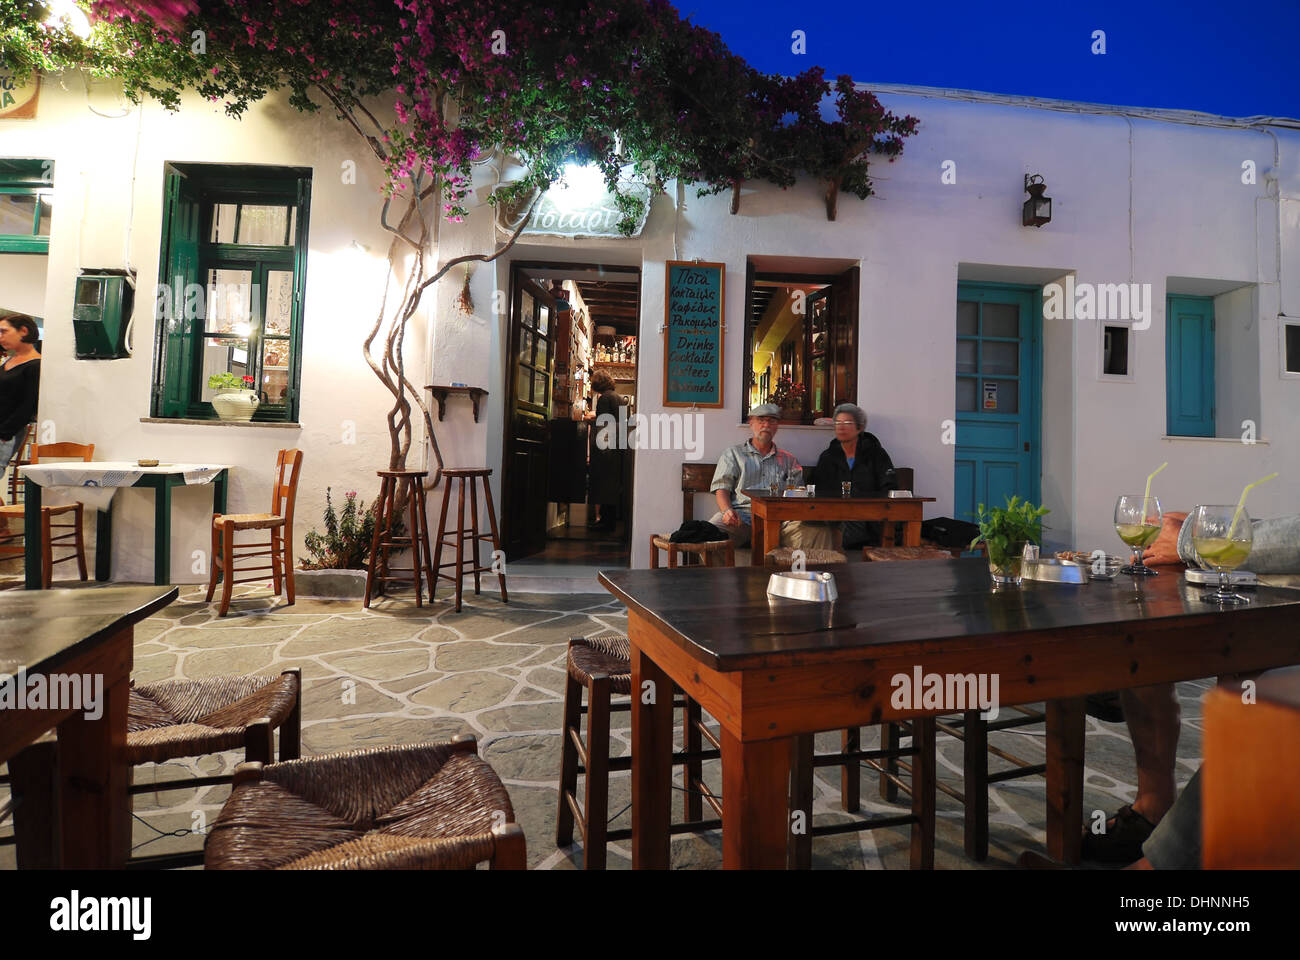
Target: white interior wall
(1237, 363)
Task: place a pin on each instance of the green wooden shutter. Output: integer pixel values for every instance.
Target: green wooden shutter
(299, 296)
(179, 268)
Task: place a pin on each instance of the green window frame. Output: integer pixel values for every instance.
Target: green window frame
(32, 179)
(219, 290)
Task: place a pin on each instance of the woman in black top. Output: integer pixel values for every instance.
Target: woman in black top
(606, 456)
(20, 381)
(857, 457)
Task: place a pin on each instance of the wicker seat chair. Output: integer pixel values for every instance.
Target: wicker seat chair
(416, 807)
(11, 529)
(784, 556)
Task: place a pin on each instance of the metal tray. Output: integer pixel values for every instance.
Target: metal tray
(812, 585)
(1050, 570)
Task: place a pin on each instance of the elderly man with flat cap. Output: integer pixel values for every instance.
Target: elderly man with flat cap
(755, 465)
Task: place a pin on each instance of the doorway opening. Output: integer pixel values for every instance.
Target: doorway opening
(567, 476)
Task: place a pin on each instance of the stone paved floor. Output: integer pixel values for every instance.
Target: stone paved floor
(398, 674)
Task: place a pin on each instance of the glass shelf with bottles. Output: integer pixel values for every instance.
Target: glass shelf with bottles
(622, 352)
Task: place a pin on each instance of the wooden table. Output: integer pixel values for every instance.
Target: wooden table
(769, 512)
(79, 632)
(771, 670)
(162, 479)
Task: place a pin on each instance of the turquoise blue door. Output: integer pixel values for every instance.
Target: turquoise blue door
(1189, 367)
(998, 396)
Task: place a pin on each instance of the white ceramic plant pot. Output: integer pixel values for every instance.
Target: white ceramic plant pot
(236, 405)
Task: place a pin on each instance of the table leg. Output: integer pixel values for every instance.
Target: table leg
(755, 781)
(32, 535)
(1066, 723)
(799, 850)
(104, 543)
(652, 756)
(912, 533)
(219, 491)
(95, 806)
(756, 531)
(162, 532)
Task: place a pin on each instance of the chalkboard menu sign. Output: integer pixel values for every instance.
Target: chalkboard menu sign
(693, 305)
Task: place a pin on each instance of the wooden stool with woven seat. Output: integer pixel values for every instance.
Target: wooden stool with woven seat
(279, 545)
(603, 667)
(378, 571)
(704, 553)
(416, 807)
(462, 533)
(784, 556)
(14, 513)
(971, 729)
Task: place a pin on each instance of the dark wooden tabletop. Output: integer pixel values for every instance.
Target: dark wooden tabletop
(723, 618)
(766, 496)
(41, 629)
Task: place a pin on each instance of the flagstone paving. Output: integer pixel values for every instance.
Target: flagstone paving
(401, 674)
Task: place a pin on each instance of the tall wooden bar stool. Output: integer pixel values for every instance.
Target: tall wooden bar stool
(462, 533)
(603, 667)
(378, 571)
(279, 543)
(73, 538)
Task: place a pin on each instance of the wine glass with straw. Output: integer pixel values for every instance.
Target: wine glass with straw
(1137, 521)
(1222, 536)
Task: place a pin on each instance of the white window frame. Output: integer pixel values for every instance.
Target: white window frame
(1102, 375)
(1282, 323)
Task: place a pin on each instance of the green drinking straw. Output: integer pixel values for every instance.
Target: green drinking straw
(1147, 496)
(1241, 504)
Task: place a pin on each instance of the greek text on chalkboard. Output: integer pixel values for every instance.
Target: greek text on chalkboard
(693, 351)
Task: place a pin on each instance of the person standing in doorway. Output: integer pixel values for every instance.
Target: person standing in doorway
(606, 489)
(20, 382)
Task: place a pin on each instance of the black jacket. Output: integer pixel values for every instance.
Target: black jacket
(19, 389)
(872, 473)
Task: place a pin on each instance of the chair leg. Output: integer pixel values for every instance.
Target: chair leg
(889, 740)
(430, 574)
(510, 851)
(442, 532)
(379, 508)
(473, 522)
(496, 538)
(80, 544)
(214, 562)
(413, 522)
(286, 543)
(799, 841)
(259, 743)
(693, 741)
(975, 786)
(227, 565)
(923, 794)
(851, 772)
(47, 557)
(277, 576)
(460, 541)
(568, 760)
(596, 809)
(291, 729)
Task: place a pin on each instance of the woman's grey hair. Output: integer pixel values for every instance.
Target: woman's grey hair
(853, 410)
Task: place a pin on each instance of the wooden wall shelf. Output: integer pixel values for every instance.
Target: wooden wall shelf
(440, 392)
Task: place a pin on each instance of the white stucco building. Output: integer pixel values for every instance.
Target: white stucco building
(1201, 213)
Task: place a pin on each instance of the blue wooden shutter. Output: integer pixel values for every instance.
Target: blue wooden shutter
(180, 267)
(1189, 367)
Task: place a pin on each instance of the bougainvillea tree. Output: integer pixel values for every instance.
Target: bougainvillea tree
(433, 87)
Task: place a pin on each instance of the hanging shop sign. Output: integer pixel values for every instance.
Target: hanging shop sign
(693, 312)
(18, 99)
(580, 205)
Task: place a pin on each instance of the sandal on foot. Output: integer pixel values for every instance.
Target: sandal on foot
(1122, 842)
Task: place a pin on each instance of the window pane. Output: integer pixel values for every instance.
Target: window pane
(998, 357)
(229, 302)
(263, 226)
(539, 388)
(525, 346)
(1293, 348)
(17, 210)
(526, 310)
(222, 356)
(1001, 320)
(279, 302)
(965, 356)
(967, 318)
(47, 211)
(275, 371)
(1000, 396)
(223, 223)
(543, 318)
(524, 384)
(965, 395)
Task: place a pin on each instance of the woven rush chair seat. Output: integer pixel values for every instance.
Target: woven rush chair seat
(250, 521)
(185, 718)
(724, 551)
(422, 806)
(784, 556)
(880, 554)
(608, 656)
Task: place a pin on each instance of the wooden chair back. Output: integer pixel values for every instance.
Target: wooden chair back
(63, 451)
(288, 464)
(698, 477)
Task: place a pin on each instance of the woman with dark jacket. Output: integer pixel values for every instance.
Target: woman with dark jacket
(857, 457)
(20, 382)
(606, 455)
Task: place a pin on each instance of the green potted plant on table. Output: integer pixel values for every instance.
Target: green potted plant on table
(235, 399)
(1005, 531)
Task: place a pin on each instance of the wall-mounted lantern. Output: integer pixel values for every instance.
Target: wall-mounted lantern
(1038, 208)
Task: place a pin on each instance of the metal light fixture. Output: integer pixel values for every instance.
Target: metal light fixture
(1038, 208)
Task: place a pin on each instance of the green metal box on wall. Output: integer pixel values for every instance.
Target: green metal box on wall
(100, 314)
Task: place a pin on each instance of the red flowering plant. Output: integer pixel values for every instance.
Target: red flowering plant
(437, 88)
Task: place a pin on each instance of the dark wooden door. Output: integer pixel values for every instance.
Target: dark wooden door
(529, 375)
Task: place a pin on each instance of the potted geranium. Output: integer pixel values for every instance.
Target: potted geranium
(1005, 531)
(235, 399)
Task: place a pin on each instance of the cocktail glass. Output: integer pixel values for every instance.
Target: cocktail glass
(1137, 521)
(1222, 536)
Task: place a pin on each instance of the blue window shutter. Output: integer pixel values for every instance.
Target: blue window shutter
(1189, 367)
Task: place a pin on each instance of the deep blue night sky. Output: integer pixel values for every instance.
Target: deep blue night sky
(1235, 59)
